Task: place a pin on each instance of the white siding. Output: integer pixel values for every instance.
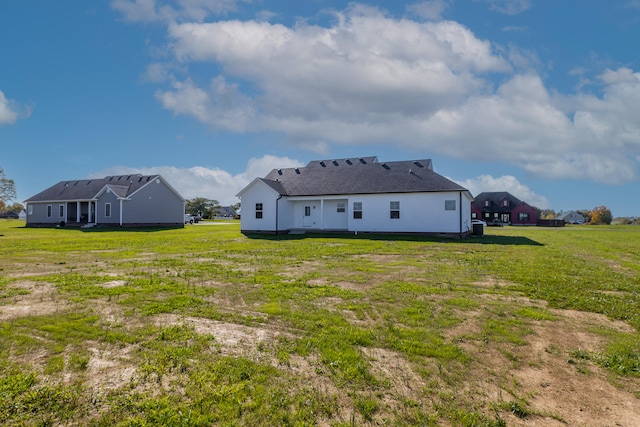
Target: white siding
(259, 192)
(419, 213)
(334, 220)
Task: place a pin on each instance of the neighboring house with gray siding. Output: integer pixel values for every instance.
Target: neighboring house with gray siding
(119, 201)
(356, 195)
(572, 217)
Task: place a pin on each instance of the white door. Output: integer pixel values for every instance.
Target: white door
(306, 219)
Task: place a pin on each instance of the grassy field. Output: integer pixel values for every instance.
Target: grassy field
(204, 326)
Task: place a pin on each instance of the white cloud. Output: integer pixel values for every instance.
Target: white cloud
(621, 75)
(210, 183)
(369, 78)
(11, 111)
(509, 7)
(339, 84)
(632, 4)
(431, 9)
(181, 10)
(508, 183)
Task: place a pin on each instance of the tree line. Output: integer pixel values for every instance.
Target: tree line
(205, 208)
(7, 194)
(600, 215)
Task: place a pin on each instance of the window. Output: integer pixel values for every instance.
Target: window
(505, 203)
(258, 210)
(357, 210)
(474, 215)
(523, 216)
(30, 209)
(341, 207)
(449, 205)
(107, 210)
(307, 211)
(487, 203)
(49, 211)
(394, 210)
(61, 211)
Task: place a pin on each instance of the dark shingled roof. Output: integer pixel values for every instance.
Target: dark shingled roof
(359, 176)
(87, 189)
(496, 197)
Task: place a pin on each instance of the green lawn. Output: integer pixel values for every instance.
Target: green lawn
(203, 325)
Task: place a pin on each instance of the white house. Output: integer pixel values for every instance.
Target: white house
(356, 195)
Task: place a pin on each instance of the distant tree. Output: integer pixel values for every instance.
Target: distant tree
(202, 206)
(7, 188)
(622, 221)
(16, 207)
(601, 215)
(548, 214)
(236, 207)
(586, 214)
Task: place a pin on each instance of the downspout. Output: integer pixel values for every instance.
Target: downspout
(279, 197)
(460, 209)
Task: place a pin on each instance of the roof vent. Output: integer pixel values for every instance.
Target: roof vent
(279, 171)
(418, 164)
(110, 178)
(363, 161)
(386, 166)
(297, 171)
(88, 182)
(323, 165)
(335, 163)
(349, 162)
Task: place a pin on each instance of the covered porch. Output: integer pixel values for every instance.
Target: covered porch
(322, 214)
(80, 212)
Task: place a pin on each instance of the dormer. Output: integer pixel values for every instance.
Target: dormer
(504, 203)
(486, 203)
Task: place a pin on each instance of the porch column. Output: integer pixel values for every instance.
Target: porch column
(321, 214)
(120, 212)
(78, 210)
(89, 211)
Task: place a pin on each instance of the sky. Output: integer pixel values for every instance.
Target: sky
(538, 98)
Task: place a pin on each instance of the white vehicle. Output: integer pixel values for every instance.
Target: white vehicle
(191, 219)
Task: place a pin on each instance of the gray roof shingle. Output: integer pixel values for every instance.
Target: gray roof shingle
(87, 189)
(359, 176)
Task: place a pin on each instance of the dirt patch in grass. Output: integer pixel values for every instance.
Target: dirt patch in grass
(109, 368)
(232, 339)
(42, 299)
(546, 379)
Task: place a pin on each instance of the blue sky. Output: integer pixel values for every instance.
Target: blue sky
(534, 97)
